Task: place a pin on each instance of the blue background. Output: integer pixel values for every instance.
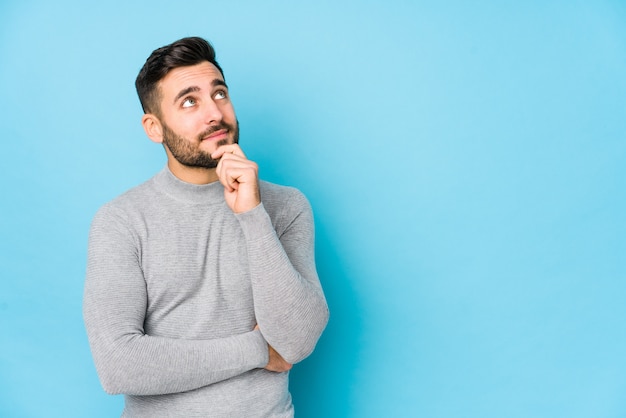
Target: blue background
(466, 162)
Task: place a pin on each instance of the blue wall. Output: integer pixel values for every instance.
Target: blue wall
(466, 162)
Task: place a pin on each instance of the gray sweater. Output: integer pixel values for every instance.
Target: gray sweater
(176, 283)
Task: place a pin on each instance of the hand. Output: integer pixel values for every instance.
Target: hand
(276, 362)
(239, 176)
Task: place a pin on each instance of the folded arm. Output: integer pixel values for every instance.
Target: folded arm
(129, 361)
(290, 306)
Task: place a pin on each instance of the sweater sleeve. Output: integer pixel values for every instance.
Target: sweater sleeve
(114, 306)
(290, 306)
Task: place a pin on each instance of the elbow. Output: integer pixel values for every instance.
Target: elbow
(112, 385)
(118, 374)
(111, 389)
(122, 383)
(295, 357)
(119, 377)
(307, 341)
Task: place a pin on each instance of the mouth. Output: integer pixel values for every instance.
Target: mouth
(216, 136)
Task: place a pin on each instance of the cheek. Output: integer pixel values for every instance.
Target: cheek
(228, 112)
(190, 127)
(182, 125)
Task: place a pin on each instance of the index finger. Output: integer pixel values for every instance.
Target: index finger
(234, 149)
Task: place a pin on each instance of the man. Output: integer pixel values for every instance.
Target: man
(201, 289)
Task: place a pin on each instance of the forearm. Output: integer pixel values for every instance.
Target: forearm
(127, 359)
(289, 302)
(131, 362)
(136, 364)
(291, 311)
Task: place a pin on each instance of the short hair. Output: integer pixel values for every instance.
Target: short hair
(182, 53)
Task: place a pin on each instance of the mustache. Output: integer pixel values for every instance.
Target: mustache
(214, 129)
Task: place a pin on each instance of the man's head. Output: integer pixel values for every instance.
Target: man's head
(186, 103)
(182, 53)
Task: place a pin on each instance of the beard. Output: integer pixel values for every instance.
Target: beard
(188, 152)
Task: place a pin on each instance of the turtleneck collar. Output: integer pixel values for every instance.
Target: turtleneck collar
(168, 183)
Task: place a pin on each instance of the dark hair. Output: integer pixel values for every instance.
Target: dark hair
(182, 53)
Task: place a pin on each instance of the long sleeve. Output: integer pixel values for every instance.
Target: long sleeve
(289, 303)
(127, 359)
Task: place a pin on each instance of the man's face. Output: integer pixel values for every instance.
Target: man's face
(187, 153)
(196, 114)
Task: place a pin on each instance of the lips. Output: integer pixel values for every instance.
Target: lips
(216, 136)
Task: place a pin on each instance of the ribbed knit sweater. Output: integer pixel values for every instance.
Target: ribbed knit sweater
(176, 283)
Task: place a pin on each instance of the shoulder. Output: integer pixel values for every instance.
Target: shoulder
(132, 201)
(276, 196)
(285, 205)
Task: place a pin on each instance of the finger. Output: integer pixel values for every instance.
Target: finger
(233, 169)
(233, 149)
(234, 176)
(224, 176)
(232, 172)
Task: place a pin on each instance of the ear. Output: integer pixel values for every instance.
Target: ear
(152, 126)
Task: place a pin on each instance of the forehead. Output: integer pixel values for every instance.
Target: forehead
(200, 75)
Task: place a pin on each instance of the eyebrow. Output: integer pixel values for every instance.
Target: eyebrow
(191, 89)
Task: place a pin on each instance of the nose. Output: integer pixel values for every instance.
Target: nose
(212, 113)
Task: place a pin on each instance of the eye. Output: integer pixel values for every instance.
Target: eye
(221, 94)
(189, 102)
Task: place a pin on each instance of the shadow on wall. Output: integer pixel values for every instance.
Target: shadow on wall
(321, 385)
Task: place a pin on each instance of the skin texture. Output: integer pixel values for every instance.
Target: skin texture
(198, 128)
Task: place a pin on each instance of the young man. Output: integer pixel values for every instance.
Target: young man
(201, 287)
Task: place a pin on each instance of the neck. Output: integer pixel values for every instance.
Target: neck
(193, 175)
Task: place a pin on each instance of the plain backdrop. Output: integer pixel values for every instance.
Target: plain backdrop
(466, 162)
